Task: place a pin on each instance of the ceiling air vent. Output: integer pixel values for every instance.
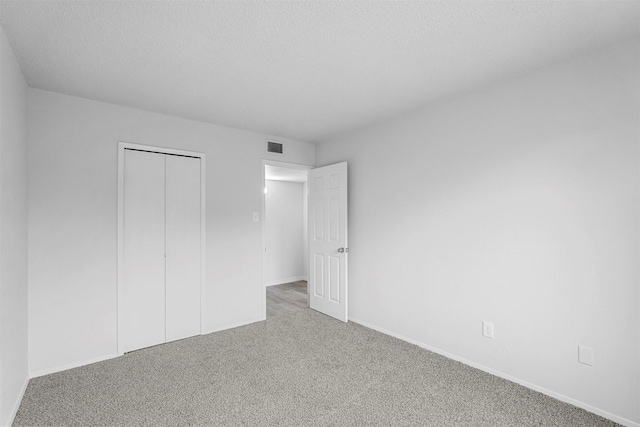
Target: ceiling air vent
(274, 147)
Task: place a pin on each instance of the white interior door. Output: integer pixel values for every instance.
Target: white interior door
(182, 247)
(143, 289)
(328, 250)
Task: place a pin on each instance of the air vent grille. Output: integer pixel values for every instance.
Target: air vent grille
(274, 147)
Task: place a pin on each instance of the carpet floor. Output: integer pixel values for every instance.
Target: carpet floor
(299, 369)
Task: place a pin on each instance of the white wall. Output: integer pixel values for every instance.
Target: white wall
(72, 159)
(284, 232)
(13, 233)
(518, 204)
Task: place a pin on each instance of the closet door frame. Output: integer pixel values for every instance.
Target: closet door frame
(122, 146)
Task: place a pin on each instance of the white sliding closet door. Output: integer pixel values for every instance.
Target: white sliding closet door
(160, 293)
(143, 267)
(183, 247)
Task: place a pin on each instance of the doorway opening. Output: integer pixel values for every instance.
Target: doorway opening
(285, 238)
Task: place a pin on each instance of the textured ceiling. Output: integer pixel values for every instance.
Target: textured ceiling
(307, 70)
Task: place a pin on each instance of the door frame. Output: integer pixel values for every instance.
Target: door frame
(122, 146)
(263, 282)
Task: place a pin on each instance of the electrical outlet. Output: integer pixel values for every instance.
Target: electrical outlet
(256, 216)
(585, 355)
(487, 329)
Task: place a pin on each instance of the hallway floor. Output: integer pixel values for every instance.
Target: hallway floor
(287, 298)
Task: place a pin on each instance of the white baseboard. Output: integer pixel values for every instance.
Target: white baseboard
(55, 369)
(286, 280)
(561, 397)
(16, 405)
(230, 326)
(71, 365)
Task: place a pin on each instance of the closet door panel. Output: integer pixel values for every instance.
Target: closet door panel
(144, 250)
(182, 247)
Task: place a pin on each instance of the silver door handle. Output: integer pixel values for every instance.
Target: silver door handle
(343, 250)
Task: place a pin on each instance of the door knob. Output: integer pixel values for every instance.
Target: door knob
(343, 250)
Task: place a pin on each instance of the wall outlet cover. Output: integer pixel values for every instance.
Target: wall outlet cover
(585, 355)
(487, 329)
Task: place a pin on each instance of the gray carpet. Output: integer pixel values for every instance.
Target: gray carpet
(301, 369)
